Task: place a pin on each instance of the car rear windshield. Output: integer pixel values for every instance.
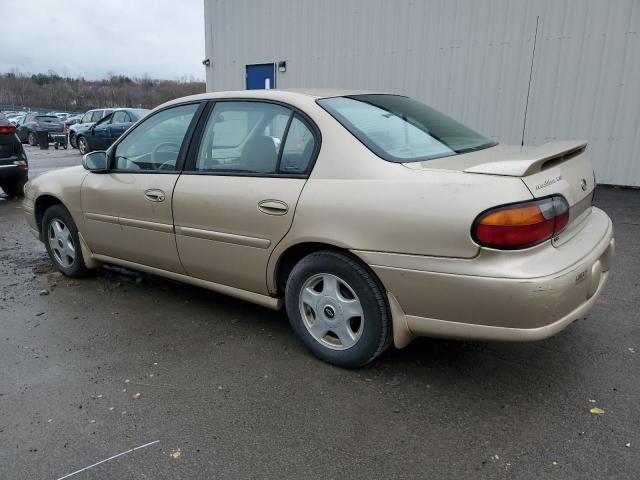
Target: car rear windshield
(400, 129)
(47, 118)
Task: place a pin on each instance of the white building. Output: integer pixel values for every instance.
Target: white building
(537, 70)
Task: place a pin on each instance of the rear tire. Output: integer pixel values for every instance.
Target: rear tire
(338, 308)
(15, 189)
(61, 239)
(33, 141)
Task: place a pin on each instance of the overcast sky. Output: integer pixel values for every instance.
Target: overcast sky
(89, 38)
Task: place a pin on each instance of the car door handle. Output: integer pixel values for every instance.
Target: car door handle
(273, 207)
(154, 195)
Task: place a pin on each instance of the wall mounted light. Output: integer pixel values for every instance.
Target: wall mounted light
(282, 66)
(206, 62)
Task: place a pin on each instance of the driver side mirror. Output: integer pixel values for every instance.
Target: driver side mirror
(96, 162)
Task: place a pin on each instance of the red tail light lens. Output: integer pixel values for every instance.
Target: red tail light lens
(7, 129)
(521, 225)
(21, 164)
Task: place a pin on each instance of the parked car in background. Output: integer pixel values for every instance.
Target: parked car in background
(14, 167)
(16, 119)
(62, 115)
(377, 219)
(72, 120)
(37, 121)
(103, 133)
(88, 119)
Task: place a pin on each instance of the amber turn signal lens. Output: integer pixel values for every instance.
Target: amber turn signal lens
(521, 225)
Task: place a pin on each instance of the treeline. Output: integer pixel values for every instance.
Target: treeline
(54, 92)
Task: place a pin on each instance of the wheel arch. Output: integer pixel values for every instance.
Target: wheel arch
(288, 258)
(42, 203)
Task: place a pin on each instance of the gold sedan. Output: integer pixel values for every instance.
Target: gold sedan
(373, 218)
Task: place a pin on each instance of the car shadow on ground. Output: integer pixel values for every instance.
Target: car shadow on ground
(428, 359)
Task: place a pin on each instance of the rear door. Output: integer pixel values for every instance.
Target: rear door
(128, 214)
(120, 122)
(237, 195)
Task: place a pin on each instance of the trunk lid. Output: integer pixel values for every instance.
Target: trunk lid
(556, 168)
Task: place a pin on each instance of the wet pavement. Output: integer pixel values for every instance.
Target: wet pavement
(93, 368)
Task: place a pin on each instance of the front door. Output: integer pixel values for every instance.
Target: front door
(98, 135)
(236, 198)
(127, 211)
(261, 76)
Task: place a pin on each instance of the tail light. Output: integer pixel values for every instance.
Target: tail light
(521, 225)
(7, 129)
(22, 164)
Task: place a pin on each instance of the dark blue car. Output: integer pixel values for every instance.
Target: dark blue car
(102, 134)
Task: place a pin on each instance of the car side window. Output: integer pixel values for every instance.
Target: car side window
(154, 145)
(120, 117)
(97, 115)
(86, 117)
(242, 137)
(298, 148)
(106, 120)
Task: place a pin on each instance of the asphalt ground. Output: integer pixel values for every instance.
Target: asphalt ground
(94, 368)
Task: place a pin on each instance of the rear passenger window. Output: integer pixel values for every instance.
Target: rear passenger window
(298, 148)
(120, 117)
(252, 137)
(242, 137)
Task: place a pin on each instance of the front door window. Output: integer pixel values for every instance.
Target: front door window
(155, 144)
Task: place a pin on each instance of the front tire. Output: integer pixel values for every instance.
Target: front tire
(62, 242)
(338, 308)
(72, 140)
(33, 141)
(83, 145)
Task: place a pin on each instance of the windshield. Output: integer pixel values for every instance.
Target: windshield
(400, 129)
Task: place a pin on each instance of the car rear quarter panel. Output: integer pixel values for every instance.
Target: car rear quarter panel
(355, 200)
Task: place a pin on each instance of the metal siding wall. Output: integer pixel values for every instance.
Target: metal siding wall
(468, 58)
(586, 83)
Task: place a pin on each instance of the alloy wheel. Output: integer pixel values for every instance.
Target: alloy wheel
(61, 243)
(331, 311)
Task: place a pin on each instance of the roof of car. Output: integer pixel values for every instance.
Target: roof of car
(273, 94)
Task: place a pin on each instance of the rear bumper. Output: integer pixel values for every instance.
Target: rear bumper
(12, 172)
(515, 296)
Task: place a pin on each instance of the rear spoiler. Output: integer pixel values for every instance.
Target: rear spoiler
(536, 159)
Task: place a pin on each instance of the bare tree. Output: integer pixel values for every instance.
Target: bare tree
(54, 92)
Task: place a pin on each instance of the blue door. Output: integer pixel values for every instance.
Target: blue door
(261, 76)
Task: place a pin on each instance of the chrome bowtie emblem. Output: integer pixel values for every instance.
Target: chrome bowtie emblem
(583, 184)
